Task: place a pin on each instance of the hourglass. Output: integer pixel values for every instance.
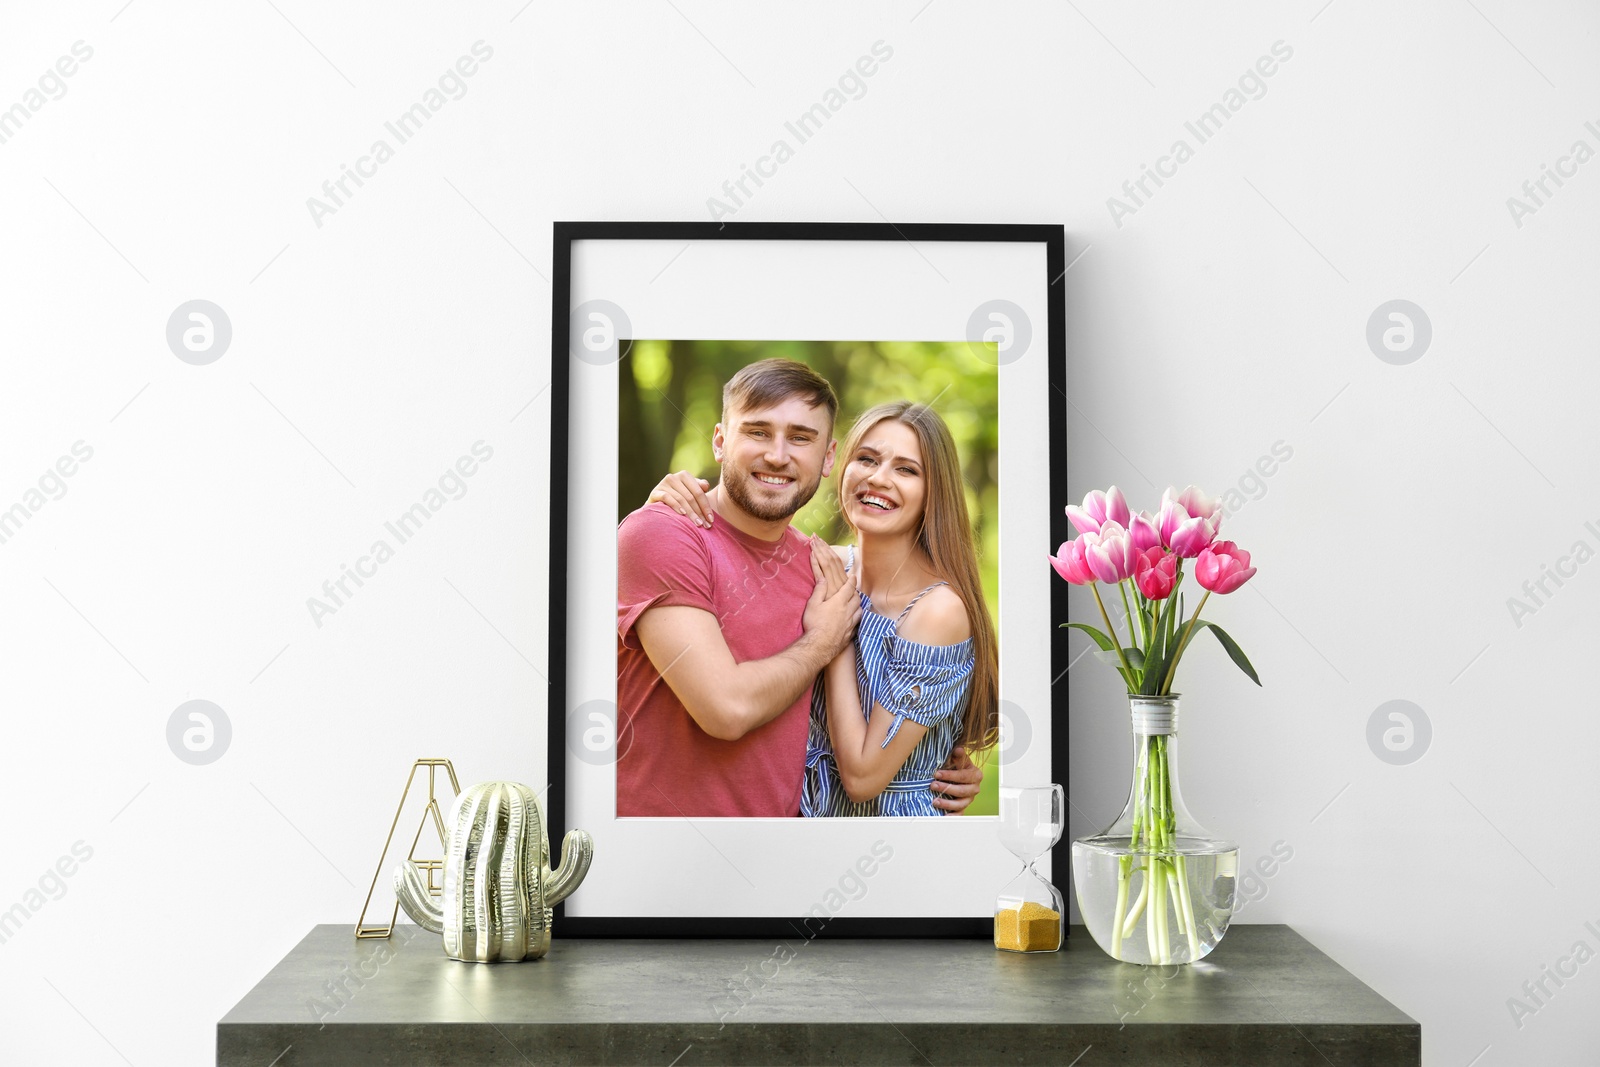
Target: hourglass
(1029, 914)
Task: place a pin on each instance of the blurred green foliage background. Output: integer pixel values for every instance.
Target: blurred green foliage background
(671, 398)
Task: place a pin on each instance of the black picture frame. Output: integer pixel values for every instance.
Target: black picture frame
(1052, 238)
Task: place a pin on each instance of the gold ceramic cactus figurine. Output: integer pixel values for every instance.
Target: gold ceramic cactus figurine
(498, 885)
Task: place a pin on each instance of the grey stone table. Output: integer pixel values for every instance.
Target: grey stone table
(1265, 996)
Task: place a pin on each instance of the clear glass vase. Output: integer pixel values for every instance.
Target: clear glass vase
(1155, 887)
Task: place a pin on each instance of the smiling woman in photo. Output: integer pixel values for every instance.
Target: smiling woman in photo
(920, 677)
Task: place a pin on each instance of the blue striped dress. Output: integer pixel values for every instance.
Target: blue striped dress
(927, 684)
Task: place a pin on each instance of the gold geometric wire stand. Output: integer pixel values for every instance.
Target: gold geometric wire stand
(433, 869)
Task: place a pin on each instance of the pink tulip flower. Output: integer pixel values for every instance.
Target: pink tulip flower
(1223, 567)
(1193, 537)
(1182, 530)
(1098, 509)
(1109, 553)
(1197, 504)
(1142, 531)
(1171, 516)
(1155, 572)
(1068, 562)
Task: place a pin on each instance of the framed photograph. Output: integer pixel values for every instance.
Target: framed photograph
(857, 420)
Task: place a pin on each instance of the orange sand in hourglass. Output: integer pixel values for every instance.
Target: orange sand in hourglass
(1030, 928)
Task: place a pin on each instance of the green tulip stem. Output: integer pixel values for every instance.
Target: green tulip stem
(1172, 606)
(1119, 916)
(1127, 671)
(1153, 613)
(1157, 841)
(1166, 683)
(1135, 628)
(1162, 952)
(1159, 866)
(1187, 902)
(1137, 909)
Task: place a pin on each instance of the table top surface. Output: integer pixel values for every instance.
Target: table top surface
(1257, 975)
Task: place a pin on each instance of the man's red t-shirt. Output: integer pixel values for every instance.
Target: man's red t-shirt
(757, 590)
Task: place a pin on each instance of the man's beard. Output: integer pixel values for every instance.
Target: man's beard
(737, 485)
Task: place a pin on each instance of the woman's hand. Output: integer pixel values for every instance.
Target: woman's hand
(685, 494)
(827, 566)
(833, 609)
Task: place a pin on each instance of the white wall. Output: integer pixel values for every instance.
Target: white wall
(1226, 314)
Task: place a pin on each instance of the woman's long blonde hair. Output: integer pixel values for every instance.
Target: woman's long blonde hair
(947, 538)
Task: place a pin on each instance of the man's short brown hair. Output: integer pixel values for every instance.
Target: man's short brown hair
(771, 381)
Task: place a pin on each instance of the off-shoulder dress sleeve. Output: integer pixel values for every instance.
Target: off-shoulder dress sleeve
(926, 683)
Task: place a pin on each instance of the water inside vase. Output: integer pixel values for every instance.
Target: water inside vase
(1196, 880)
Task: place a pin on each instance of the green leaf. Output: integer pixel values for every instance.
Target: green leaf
(1156, 657)
(1105, 643)
(1231, 647)
(1107, 653)
(1134, 656)
(1158, 677)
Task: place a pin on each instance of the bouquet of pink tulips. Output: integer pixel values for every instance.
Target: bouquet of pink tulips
(1148, 553)
(1119, 548)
